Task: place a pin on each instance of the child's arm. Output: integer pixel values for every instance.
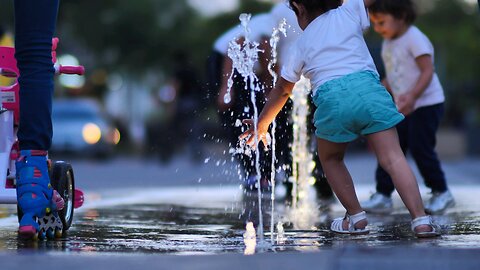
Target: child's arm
(275, 102)
(406, 102)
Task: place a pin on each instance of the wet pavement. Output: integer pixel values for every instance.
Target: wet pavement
(139, 224)
(180, 210)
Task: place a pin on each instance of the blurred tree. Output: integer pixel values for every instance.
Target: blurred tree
(454, 29)
(132, 36)
(144, 34)
(140, 37)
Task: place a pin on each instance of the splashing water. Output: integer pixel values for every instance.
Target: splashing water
(273, 44)
(244, 56)
(304, 211)
(280, 233)
(250, 239)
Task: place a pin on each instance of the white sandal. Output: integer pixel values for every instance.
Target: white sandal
(337, 224)
(425, 220)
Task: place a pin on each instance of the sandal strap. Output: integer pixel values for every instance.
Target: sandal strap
(353, 219)
(425, 220)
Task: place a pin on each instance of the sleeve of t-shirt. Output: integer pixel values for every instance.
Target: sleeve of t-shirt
(261, 27)
(357, 11)
(222, 43)
(293, 66)
(419, 44)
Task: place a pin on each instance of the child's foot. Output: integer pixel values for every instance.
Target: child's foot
(351, 224)
(424, 227)
(37, 201)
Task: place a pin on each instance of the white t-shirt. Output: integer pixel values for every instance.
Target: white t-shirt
(279, 12)
(331, 46)
(402, 71)
(260, 25)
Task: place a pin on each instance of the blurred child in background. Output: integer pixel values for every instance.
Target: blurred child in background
(411, 79)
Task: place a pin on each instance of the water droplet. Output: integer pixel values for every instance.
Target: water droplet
(227, 98)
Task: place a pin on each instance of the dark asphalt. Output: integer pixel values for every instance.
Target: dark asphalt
(138, 209)
(344, 258)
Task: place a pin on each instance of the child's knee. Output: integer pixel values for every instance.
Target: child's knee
(335, 157)
(389, 163)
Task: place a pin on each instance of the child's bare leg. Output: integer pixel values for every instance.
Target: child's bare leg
(391, 158)
(331, 156)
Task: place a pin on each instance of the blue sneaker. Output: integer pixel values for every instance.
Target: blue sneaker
(37, 201)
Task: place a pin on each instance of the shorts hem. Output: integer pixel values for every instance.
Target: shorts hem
(382, 127)
(337, 139)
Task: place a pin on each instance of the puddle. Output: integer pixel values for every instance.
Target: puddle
(177, 229)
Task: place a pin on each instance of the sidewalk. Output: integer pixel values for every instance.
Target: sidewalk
(346, 258)
(210, 188)
(219, 170)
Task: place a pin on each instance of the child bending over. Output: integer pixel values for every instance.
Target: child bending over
(350, 102)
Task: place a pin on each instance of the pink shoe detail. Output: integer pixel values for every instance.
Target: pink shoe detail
(79, 199)
(9, 184)
(58, 200)
(27, 231)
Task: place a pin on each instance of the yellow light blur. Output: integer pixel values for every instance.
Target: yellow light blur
(116, 136)
(91, 133)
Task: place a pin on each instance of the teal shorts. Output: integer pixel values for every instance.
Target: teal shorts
(353, 105)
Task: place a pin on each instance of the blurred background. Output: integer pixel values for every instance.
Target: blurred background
(146, 92)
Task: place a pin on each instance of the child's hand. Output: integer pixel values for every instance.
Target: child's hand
(248, 135)
(406, 104)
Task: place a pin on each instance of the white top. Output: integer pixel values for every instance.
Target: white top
(402, 71)
(260, 25)
(331, 46)
(279, 12)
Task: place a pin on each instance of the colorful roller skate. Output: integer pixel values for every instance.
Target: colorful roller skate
(38, 202)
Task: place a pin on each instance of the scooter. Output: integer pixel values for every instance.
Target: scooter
(61, 173)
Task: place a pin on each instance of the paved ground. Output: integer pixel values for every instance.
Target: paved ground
(346, 258)
(114, 187)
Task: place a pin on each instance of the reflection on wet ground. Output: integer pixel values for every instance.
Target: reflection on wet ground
(176, 229)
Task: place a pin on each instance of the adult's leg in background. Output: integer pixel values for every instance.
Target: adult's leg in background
(34, 28)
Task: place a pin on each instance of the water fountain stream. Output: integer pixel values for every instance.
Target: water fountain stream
(244, 56)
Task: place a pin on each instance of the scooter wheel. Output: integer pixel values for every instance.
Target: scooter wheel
(63, 181)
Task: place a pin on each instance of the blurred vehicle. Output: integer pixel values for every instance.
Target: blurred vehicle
(81, 127)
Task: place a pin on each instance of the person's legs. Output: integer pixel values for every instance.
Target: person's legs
(425, 122)
(422, 137)
(321, 184)
(243, 109)
(323, 189)
(331, 155)
(283, 141)
(381, 201)
(384, 181)
(34, 27)
(391, 158)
